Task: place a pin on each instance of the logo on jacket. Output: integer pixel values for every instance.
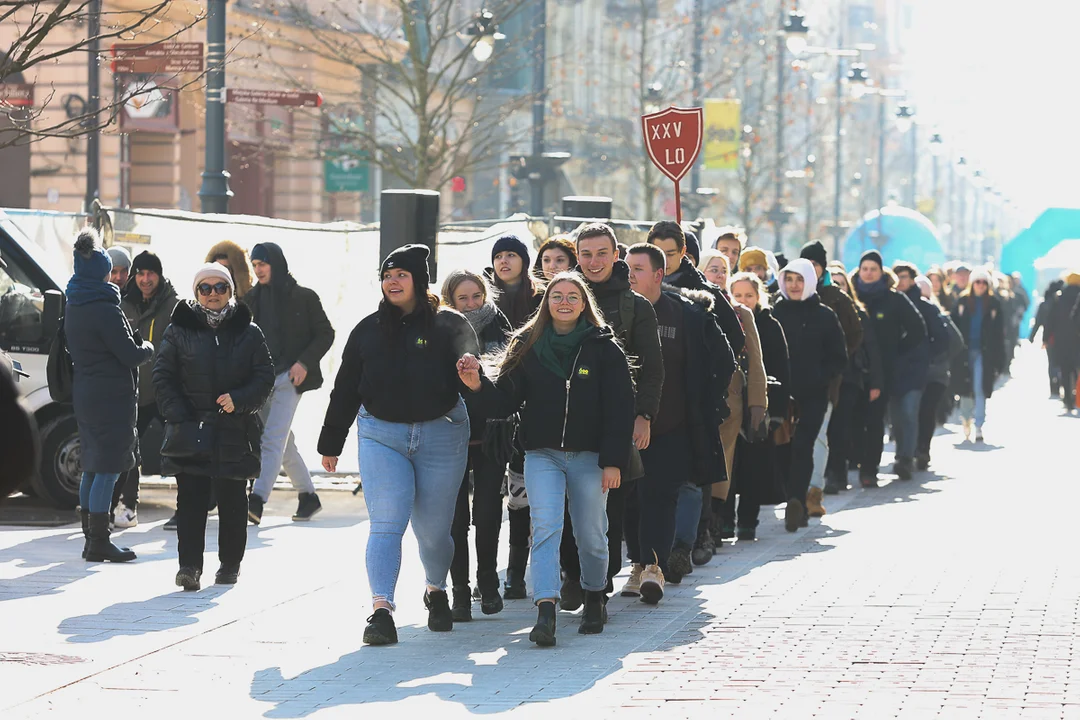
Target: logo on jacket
(881, 316)
(583, 371)
(421, 342)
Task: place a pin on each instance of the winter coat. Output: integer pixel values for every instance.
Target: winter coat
(688, 277)
(507, 306)
(898, 329)
(837, 300)
(992, 343)
(150, 319)
(1064, 327)
(912, 368)
(306, 332)
(494, 335)
(774, 355)
(940, 366)
(104, 386)
(639, 336)
(593, 411)
(409, 376)
(815, 342)
(195, 366)
(239, 267)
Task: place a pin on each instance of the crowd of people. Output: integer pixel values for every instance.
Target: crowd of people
(656, 396)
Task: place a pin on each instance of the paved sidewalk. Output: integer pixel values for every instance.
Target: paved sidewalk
(952, 596)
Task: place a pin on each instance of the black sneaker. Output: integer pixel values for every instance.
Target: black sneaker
(255, 509)
(439, 618)
(491, 602)
(170, 524)
(307, 507)
(678, 564)
(188, 578)
(922, 462)
(903, 469)
(380, 628)
(462, 609)
(227, 575)
(746, 534)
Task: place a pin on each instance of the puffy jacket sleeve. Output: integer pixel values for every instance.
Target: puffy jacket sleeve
(617, 414)
(168, 386)
(322, 333)
(499, 398)
(462, 339)
(650, 376)
(721, 364)
(117, 337)
(345, 399)
(913, 329)
(757, 386)
(252, 395)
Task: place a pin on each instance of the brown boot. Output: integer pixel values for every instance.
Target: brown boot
(814, 508)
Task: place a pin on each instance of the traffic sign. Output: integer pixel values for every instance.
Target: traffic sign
(16, 94)
(673, 140)
(166, 57)
(285, 98)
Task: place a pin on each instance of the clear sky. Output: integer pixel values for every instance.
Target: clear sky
(1001, 79)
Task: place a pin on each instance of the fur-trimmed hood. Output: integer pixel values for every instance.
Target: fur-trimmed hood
(185, 316)
(698, 297)
(238, 264)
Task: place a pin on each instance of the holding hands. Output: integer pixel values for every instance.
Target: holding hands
(468, 368)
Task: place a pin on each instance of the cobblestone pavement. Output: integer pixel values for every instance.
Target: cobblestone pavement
(952, 596)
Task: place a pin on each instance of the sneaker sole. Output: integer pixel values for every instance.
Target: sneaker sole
(630, 593)
(302, 518)
(542, 639)
(651, 593)
(254, 519)
(372, 637)
(189, 587)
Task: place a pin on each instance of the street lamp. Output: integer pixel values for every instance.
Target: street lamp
(654, 95)
(962, 166)
(796, 32)
(905, 118)
(858, 80)
(486, 33)
(937, 145)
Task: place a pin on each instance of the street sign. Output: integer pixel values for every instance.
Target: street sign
(346, 173)
(16, 94)
(285, 98)
(673, 140)
(146, 100)
(166, 57)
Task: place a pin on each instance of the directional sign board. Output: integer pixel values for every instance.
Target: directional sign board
(284, 98)
(16, 94)
(166, 57)
(673, 140)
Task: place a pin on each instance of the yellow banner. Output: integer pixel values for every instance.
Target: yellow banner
(723, 134)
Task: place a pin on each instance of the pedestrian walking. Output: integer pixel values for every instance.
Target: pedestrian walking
(937, 379)
(298, 334)
(398, 381)
(105, 390)
(571, 382)
(472, 296)
(212, 376)
(980, 319)
(233, 257)
(147, 302)
(1065, 331)
(1042, 322)
(556, 255)
(756, 260)
(818, 355)
(121, 266)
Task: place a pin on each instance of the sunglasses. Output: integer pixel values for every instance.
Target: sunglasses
(206, 288)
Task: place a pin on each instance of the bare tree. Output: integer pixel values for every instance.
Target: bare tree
(33, 27)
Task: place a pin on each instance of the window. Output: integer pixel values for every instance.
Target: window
(21, 309)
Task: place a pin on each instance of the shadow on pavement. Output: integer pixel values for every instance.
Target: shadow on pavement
(165, 612)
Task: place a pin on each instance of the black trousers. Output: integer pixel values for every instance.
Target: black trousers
(486, 516)
(616, 514)
(754, 465)
(192, 498)
(812, 407)
(928, 416)
(127, 488)
(839, 432)
(873, 442)
(1068, 381)
(650, 512)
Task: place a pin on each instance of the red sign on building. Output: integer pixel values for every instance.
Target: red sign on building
(673, 140)
(16, 94)
(285, 98)
(157, 58)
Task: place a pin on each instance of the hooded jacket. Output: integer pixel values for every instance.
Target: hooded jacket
(640, 338)
(816, 346)
(688, 277)
(238, 265)
(195, 366)
(593, 411)
(292, 319)
(151, 320)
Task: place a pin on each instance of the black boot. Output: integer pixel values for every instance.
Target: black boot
(101, 548)
(592, 619)
(570, 594)
(84, 515)
(543, 634)
(440, 618)
(462, 608)
(515, 573)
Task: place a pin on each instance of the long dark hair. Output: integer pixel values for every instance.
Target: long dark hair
(558, 242)
(520, 297)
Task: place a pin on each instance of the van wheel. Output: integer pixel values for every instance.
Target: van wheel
(61, 465)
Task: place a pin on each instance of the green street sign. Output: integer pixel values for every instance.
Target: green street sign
(346, 173)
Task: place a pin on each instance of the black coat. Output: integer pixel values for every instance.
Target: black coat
(1065, 328)
(688, 277)
(912, 368)
(591, 412)
(992, 343)
(194, 367)
(898, 329)
(150, 319)
(774, 355)
(816, 345)
(104, 389)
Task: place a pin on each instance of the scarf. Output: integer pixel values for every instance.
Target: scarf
(82, 290)
(557, 352)
(214, 318)
(481, 317)
(871, 289)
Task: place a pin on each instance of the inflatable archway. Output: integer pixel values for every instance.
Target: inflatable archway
(898, 233)
(1052, 228)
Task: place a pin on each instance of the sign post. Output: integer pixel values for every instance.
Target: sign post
(673, 140)
(280, 98)
(159, 58)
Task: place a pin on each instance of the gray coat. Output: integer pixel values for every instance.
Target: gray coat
(104, 390)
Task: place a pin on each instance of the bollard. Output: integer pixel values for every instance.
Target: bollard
(407, 217)
(587, 208)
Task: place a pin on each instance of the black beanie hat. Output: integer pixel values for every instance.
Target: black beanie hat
(412, 258)
(693, 249)
(781, 260)
(874, 256)
(146, 260)
(815, 252)
(512, 244)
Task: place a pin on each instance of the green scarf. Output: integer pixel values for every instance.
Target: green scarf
(557, 352)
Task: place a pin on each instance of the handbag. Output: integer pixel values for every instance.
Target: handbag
(188, 440)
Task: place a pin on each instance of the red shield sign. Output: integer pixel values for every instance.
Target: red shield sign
(673, 139)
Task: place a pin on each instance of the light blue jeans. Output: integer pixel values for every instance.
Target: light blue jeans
(905, 421)
(821, 452)
(96, 491)
(278, 444)
(411, 470)
(553, 477)
(975, 407)
(688, 515)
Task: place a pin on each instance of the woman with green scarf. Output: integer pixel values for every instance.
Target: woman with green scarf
(571, 382)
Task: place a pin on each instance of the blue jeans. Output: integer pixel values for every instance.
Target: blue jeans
(411, 470)
(975, 406)
(688, 515)
(553, 477)
(905, 420)
(95, 491)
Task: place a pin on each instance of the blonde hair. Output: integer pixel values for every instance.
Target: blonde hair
(753, 279)
(710, 254)
(454, 280)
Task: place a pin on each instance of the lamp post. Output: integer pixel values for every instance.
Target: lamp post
(936, 148)
(93, 103)
(536, 183)
(792, 37)
(696, 86)
(214, 192)
(905, 123)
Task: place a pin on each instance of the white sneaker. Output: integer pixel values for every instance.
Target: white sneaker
(652, 585)
(967, 428)
(125, 517)
(632, 588)
(978, 435)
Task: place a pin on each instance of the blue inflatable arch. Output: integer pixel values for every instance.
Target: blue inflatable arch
(898, 233)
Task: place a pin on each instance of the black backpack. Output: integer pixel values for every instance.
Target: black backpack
(60, 370)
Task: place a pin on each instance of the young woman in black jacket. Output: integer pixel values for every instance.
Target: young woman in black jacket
(981, 321)
(212, 375)
(571, 381)
(472, 296)
(398, 382)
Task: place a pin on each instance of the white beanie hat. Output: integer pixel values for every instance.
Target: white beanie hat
(982, 273)
(212, 272)
(925, 286)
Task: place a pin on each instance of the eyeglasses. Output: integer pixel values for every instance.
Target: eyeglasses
(559, 299)
(206, 288)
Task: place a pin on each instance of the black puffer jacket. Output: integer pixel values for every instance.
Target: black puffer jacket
(150, 319)
(815, 343)
(774, 355)
(898, 327)
(688, 277)
(194, 367)
(591, 412)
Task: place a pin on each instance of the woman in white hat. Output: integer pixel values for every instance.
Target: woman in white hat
(979, 317)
